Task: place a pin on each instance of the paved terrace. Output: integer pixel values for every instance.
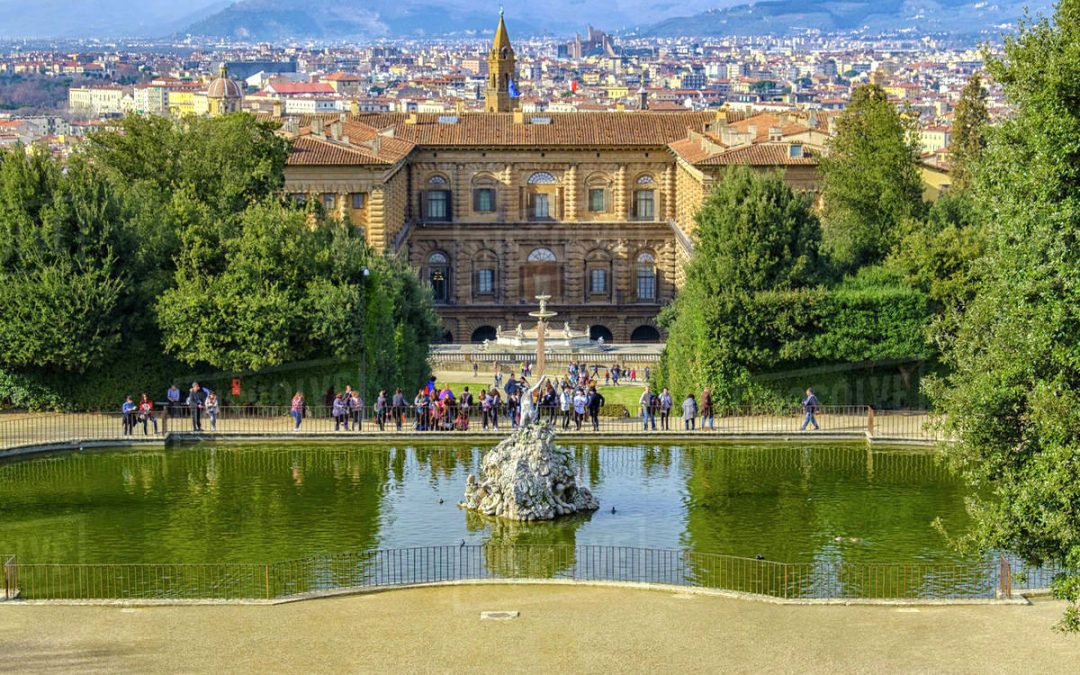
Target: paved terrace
(560, 629)
(28, 430)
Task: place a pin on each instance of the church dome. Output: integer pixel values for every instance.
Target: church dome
(223, 87)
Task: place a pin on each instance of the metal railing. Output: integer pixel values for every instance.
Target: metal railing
(390, 568)
(11, 577)
(855, 421)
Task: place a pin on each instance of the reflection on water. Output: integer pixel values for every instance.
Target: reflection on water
(264, 503)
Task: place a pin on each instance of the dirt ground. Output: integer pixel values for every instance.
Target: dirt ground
(560, 629)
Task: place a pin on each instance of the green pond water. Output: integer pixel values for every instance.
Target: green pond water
(259, 503)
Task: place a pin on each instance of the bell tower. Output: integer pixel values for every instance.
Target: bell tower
(501, 64)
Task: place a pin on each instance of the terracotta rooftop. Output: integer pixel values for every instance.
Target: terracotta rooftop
(561, 129)
(759, 154)
(360, 145)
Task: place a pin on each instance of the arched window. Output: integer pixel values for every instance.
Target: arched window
(484, 193)
(597, 332)
(646, 276)
(645, 179)
(598, 185)
(439, 276)
(437, 198)
(542, 178)
(483, 333)
(598, 272)
(645, 334)
(542, 255)
(540, 275)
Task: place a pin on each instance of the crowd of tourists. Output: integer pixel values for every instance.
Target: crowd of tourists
(571, 399)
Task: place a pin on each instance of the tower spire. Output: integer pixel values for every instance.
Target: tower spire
(501, 69)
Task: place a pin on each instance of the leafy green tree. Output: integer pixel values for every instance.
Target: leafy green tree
(940, 256)
(61, 280)
(753, 233)
(1012, 400)
(968, 132)
(271, 289)
(870, 180)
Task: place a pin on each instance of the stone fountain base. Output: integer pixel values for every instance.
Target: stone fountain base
(528, 477)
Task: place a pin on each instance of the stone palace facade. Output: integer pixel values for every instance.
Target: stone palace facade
(595, 209)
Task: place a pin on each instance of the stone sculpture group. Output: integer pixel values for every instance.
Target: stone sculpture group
(528, 477)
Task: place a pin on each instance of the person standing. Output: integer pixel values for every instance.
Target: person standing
(706, 408)
(566, 403)
(127, 410)
(420, 403)
(380, 410)
(146, 413)
(596, 401)
(173, 398)
(666, 403)
(581, 402)
(398, 411)
(339, 412)
(648, 373)
(195, 402)
(354, 409)
(475, 369)
(212, 410)
(810, 408)
(466, 403)
(513, 405)
(296, 409)
(689, 412)
(647, 415)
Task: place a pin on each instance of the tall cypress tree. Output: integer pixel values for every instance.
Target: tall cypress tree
(968, 132)
(870, 180)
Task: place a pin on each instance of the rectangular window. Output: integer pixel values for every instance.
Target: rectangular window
(643, 205)
(540, 206)
(328, 201)
(438, 205)
(485, 282)
(299, 198)
(598, 281)
(484, 200)
(358, 200)
(646, 285)
(596, 200)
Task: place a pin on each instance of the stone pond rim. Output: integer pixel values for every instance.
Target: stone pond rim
(528, 477)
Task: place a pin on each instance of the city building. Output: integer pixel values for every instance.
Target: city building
(494, 208)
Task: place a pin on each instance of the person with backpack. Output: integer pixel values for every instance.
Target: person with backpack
(666, 403)
(810, 408)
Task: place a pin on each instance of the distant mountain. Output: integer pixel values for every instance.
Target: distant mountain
(99, 18)
(359, 19)
(780, 17)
